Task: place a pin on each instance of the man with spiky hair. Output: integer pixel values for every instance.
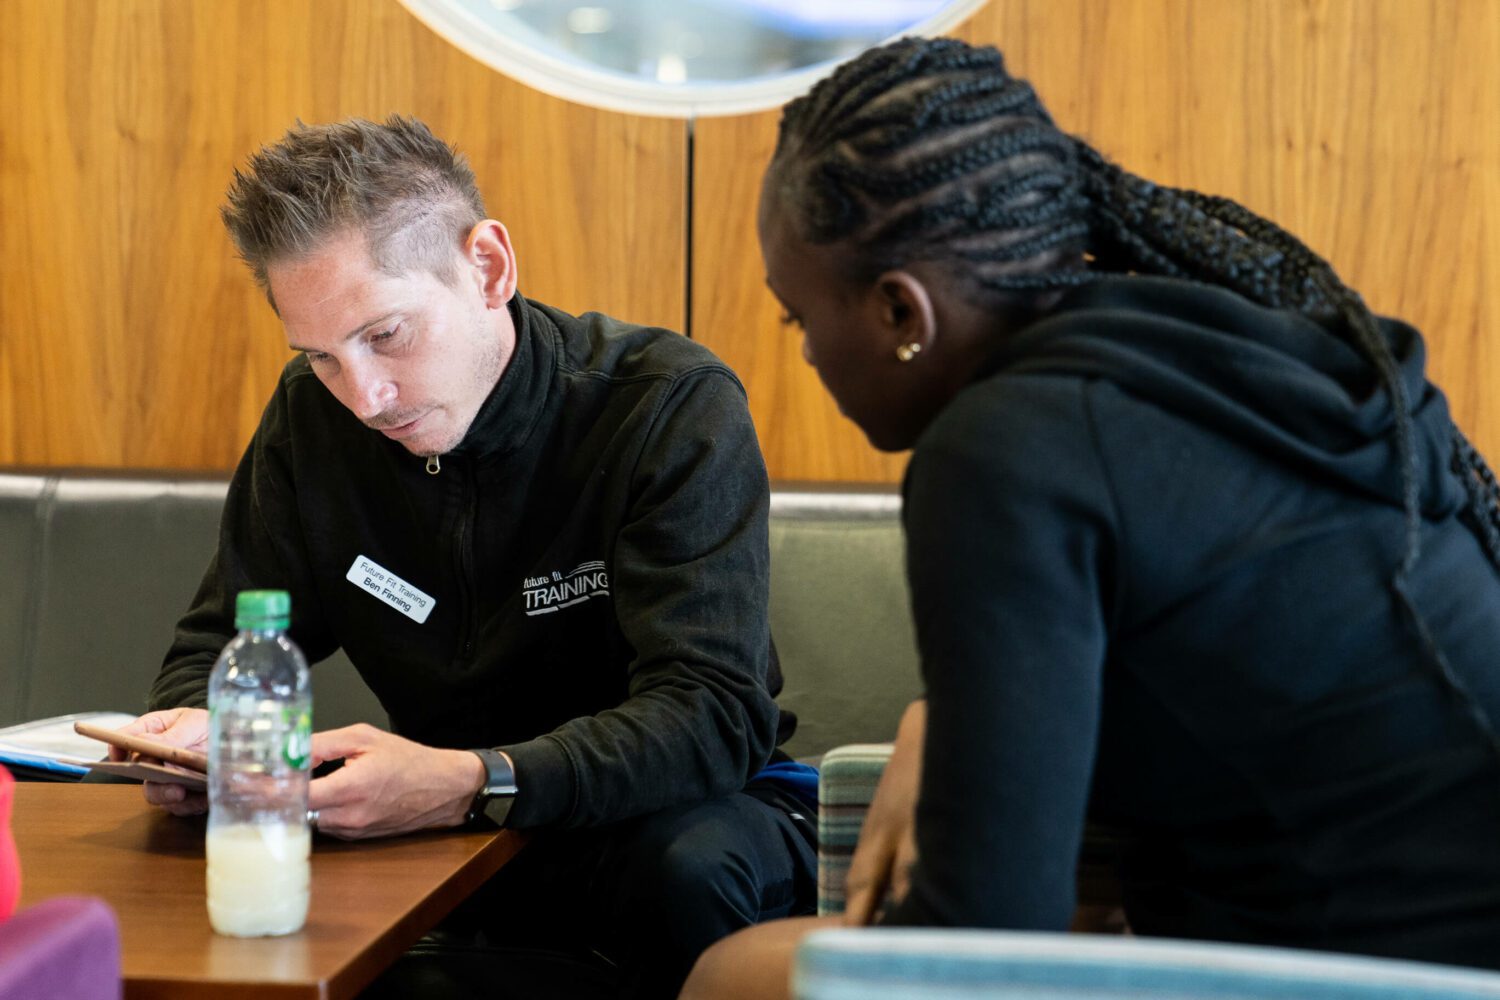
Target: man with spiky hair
(542, 540)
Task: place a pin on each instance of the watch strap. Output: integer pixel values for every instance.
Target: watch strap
(498, 792)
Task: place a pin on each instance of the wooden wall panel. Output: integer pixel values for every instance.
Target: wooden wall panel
(129, 335)
(1367, 127)
(801, 431)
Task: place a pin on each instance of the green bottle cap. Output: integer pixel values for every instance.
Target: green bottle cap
(261, 609)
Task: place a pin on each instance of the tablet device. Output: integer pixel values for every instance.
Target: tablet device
(170, 764)
(145, 770)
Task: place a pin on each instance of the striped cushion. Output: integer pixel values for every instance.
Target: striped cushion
(845, 789)
(889, 964)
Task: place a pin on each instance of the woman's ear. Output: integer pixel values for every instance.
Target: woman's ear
(907, 319)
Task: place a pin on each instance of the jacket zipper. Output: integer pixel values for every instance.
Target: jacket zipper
(464, 558)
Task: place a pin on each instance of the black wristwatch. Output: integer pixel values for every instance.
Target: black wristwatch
(498, 791)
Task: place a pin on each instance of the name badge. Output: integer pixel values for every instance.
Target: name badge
(369, 575)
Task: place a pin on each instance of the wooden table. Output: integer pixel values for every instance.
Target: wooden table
(370, 899)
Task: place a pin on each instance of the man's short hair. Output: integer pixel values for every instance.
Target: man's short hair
(411, 195)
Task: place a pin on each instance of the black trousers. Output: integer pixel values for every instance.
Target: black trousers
(619, 911)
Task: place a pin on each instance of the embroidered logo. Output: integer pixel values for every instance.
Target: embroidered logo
(545, 594)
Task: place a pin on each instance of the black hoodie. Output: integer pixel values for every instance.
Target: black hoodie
(1151, 555)
(582, 584)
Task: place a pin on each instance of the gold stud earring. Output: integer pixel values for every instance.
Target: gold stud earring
(908, 351)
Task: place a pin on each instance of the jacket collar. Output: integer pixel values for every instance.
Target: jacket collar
(511, 411)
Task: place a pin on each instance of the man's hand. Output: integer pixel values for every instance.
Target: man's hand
(880, 872)
(178, 727)
(389, 785)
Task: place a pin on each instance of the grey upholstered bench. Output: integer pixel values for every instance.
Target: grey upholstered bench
(96, 567)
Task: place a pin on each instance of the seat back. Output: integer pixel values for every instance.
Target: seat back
(850, 775)
(840, 614)
(20, 502)
(118, 560)
(891, 964)
(99, 567)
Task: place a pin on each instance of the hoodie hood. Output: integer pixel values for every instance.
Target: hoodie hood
(1287, 385)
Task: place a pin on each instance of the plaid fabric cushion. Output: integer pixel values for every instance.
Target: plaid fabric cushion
(845, 790)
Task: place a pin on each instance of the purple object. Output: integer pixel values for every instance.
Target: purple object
(64, 948)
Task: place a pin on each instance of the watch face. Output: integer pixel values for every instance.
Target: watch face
(497, 808)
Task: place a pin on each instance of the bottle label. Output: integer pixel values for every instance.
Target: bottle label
(381, 583)
(298, 728)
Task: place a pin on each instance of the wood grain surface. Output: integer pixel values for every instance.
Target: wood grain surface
(1367, 127)
(801, 431)
(130, 337)
(370, 900)
(129, 334)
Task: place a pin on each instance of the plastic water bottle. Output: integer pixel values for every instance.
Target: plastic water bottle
(259, 745)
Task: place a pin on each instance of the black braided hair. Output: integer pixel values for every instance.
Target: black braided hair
(927, 149)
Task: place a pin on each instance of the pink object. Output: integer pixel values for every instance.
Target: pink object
(10, 862)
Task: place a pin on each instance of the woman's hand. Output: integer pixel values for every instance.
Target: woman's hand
(880, 873)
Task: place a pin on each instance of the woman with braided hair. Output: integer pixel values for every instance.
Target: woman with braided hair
(1195, 549)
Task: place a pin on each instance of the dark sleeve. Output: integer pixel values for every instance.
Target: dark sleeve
(1008, 526)
(259, 548)
(690, 584)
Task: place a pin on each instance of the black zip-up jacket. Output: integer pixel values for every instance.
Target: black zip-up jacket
(593, 558)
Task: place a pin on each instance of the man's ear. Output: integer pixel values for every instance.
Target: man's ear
(487, 249)
(907, 318)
